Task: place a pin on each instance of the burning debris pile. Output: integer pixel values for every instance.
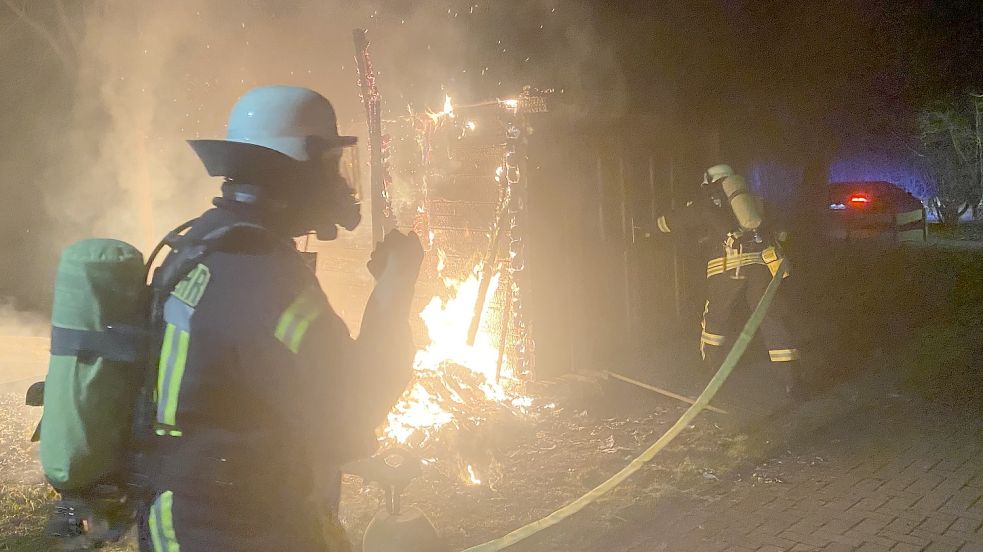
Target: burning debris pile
(456, 383)
(566, 446)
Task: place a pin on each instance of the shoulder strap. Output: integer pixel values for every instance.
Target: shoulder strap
(186, 253)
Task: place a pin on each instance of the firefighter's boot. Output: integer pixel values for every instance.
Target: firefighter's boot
(796, 385)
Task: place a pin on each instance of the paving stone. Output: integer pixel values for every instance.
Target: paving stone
(941, 547)
(839, 526)
(933, 501)
(901, 501)
(965, 498)
(772, 540)
(936, 525)
(773, 526)
(905, 538)
(902, 525)
(873, 539)
(902, 487)
(814, 540)
(904, 547)
(973, 513)
(871, 525)
(972, 547)
(871, 547)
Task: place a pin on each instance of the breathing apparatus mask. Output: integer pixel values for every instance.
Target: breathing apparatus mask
(329, 201)
(302, 198)
(712, 185)
(282, 155)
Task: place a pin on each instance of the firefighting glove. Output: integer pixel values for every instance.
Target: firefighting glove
(397, 258)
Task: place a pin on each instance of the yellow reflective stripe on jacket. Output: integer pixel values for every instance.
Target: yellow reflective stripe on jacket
(732, 262)
(783, 355)
(173, 359)
(297, 319)
(170, 372)
(162, 524)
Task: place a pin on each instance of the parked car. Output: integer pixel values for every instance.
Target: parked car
(874, 211)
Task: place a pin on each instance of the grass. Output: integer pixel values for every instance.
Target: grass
(24, 510)
(965, 231)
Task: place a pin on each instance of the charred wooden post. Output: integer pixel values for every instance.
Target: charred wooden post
(383, 218)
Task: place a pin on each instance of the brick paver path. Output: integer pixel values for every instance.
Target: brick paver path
(902, 477)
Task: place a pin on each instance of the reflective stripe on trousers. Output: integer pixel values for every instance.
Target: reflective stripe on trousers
(707, 338)
(783, 355)
(161, 521)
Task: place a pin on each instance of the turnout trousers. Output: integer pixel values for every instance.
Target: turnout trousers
(747, 284)
(181, 523)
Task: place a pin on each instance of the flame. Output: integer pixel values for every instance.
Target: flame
(438, 391)
(447, 112)
(472, 476)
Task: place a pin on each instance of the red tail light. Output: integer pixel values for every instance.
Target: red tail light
(857, 199)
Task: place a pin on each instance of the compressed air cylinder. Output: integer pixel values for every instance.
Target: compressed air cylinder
(742, 202)
(94, 373)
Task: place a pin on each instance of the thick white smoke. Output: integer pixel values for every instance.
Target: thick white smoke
(149, 75)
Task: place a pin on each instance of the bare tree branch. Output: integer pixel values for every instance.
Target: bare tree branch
(951, 128)
(52, 40)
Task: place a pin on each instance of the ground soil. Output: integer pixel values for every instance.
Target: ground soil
(582, 429)
(531, 465)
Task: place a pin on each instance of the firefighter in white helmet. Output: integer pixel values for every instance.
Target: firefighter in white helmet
(261, 392)
(745, 257)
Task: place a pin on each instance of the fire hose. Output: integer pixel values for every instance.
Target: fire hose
(701, 403)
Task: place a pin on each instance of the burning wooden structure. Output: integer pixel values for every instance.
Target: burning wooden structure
(454, 175)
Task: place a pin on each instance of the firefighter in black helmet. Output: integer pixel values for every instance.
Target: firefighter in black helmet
(744, 259)
(261, 393)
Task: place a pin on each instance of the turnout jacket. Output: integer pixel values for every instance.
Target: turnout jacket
(725, 247)
(260, 387)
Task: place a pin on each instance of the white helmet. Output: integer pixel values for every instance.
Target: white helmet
(268, 123)
(717, 172)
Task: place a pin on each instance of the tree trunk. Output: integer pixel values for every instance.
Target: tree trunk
(949, 211)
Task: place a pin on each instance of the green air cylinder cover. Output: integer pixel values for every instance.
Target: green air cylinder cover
(94, 374)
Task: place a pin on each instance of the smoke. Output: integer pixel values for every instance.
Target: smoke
(16, 323)
(105, 155)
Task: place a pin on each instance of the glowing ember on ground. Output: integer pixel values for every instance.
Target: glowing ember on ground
(454, 381)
